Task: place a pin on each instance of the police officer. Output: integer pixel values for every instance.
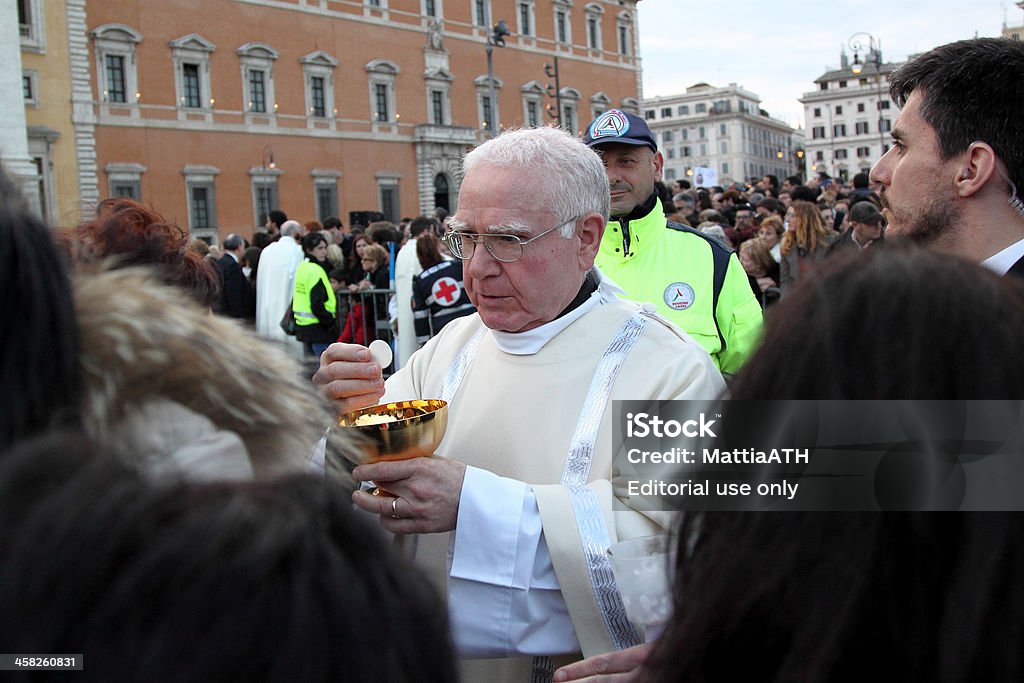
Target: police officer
(694, 280)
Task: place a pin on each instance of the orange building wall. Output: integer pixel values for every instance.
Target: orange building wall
(164, 145)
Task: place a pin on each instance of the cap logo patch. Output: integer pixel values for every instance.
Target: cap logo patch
(611, 124)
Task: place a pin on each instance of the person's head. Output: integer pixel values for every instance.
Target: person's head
(804, 227)
(314, 226)
(791, 182)
(359, 245)
(716, 231)
(382, 232)
(235, 244)
(419, 225)
(958, 147)
(39, 339)
(125, 233)
(261, 239)
(770, 206)
(314, 245)
(867, 222)
(536, 184)
(428, 249)
(770, 231)
(338, 278)
(251, 258)
(785, 198)
(630, 156)
(803, 193)
(770, 182)
(292, 229)
(755, 257)
(861, 181)
(338, 231)
(275, 221)
(744, 216)
(250, 580)
(684, 203)
(374, 257)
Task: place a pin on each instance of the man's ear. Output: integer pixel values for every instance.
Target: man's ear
(659, 163)
(589, 233)
(979, 165)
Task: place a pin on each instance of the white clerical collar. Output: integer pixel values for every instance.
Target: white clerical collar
(530, 342)
(1001, 263)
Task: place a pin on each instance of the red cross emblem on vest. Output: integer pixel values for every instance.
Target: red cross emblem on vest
(445, 291)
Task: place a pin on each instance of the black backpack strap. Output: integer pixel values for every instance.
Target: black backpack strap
(720, 255)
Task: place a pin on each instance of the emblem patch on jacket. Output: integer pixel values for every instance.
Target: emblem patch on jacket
(446, 291)
(679, 296)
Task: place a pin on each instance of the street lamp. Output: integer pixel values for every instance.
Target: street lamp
(495, 37)
(873, 56)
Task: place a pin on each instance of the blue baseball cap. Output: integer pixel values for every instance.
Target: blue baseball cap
(616, 125)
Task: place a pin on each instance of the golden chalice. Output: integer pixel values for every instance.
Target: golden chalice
(397, 431)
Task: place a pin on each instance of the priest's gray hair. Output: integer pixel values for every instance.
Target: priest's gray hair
(573, 173)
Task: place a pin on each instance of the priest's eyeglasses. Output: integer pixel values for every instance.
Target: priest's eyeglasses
(502, 246)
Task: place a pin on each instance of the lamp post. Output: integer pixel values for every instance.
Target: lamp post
(872, 55)
(495, 37)
(554, 91)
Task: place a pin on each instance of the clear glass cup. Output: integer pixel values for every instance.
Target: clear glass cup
(643, 569)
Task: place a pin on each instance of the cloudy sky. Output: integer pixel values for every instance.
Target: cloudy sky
(777, 49)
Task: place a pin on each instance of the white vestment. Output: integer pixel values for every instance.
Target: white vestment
(407, 266)
(275, 285)
(517, 570)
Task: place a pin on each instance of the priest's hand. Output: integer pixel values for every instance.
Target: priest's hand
(349, 376)
(611, 667)
(426, 493)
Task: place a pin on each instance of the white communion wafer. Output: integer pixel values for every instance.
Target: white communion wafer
(381, 352)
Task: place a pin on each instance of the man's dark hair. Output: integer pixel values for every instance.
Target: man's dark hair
(261, 239)
(271, 580)
(861, 180)
(773, 181)
(332, 222)
(971, 90)
(420, 224)
(684, 184)
(311, 241)
(773, 205)
(277, 217)
(795, 180)
(803, 193)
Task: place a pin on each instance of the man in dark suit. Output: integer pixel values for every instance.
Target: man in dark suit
(237, 299)
(951, 178)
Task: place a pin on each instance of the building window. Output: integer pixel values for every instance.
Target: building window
(382, 90)
(116, 84)
(722, 129)
(685, 133)
(482, 13)
(685, 151)
(863, 152)
(818, 132)
(570, 109)
(599, 104)
(839, 110)
(666, 112)
(725, 168)
(264, 194)
(318, 75)
(593, 13)
(884, 104)
(202, 205)
(683, 110)
(860, 107)
(115, 63)
(817, 112)
(885, 125)
(671, 153)
(823, 86)
(318, 97)
(532, 114)
(191, 97)
(701, 108)
(387, 192)
(842, 84)
(701, 133)
(563, 26)
(624, 32)
(840, 154)
(257, 61)
(488, 111)
(650, 114)
(125, 180)
(31, 25)
(437, 107)
(723, 147)
(668, 136)
(839, 130)
(30, 87)
(819, 155)
(191, 57)
(861, 127)
(325, 192)
(432, 8)
(525, 13)
(533, 98)
(199, 206)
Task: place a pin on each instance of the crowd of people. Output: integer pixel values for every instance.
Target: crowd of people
(168, 502)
